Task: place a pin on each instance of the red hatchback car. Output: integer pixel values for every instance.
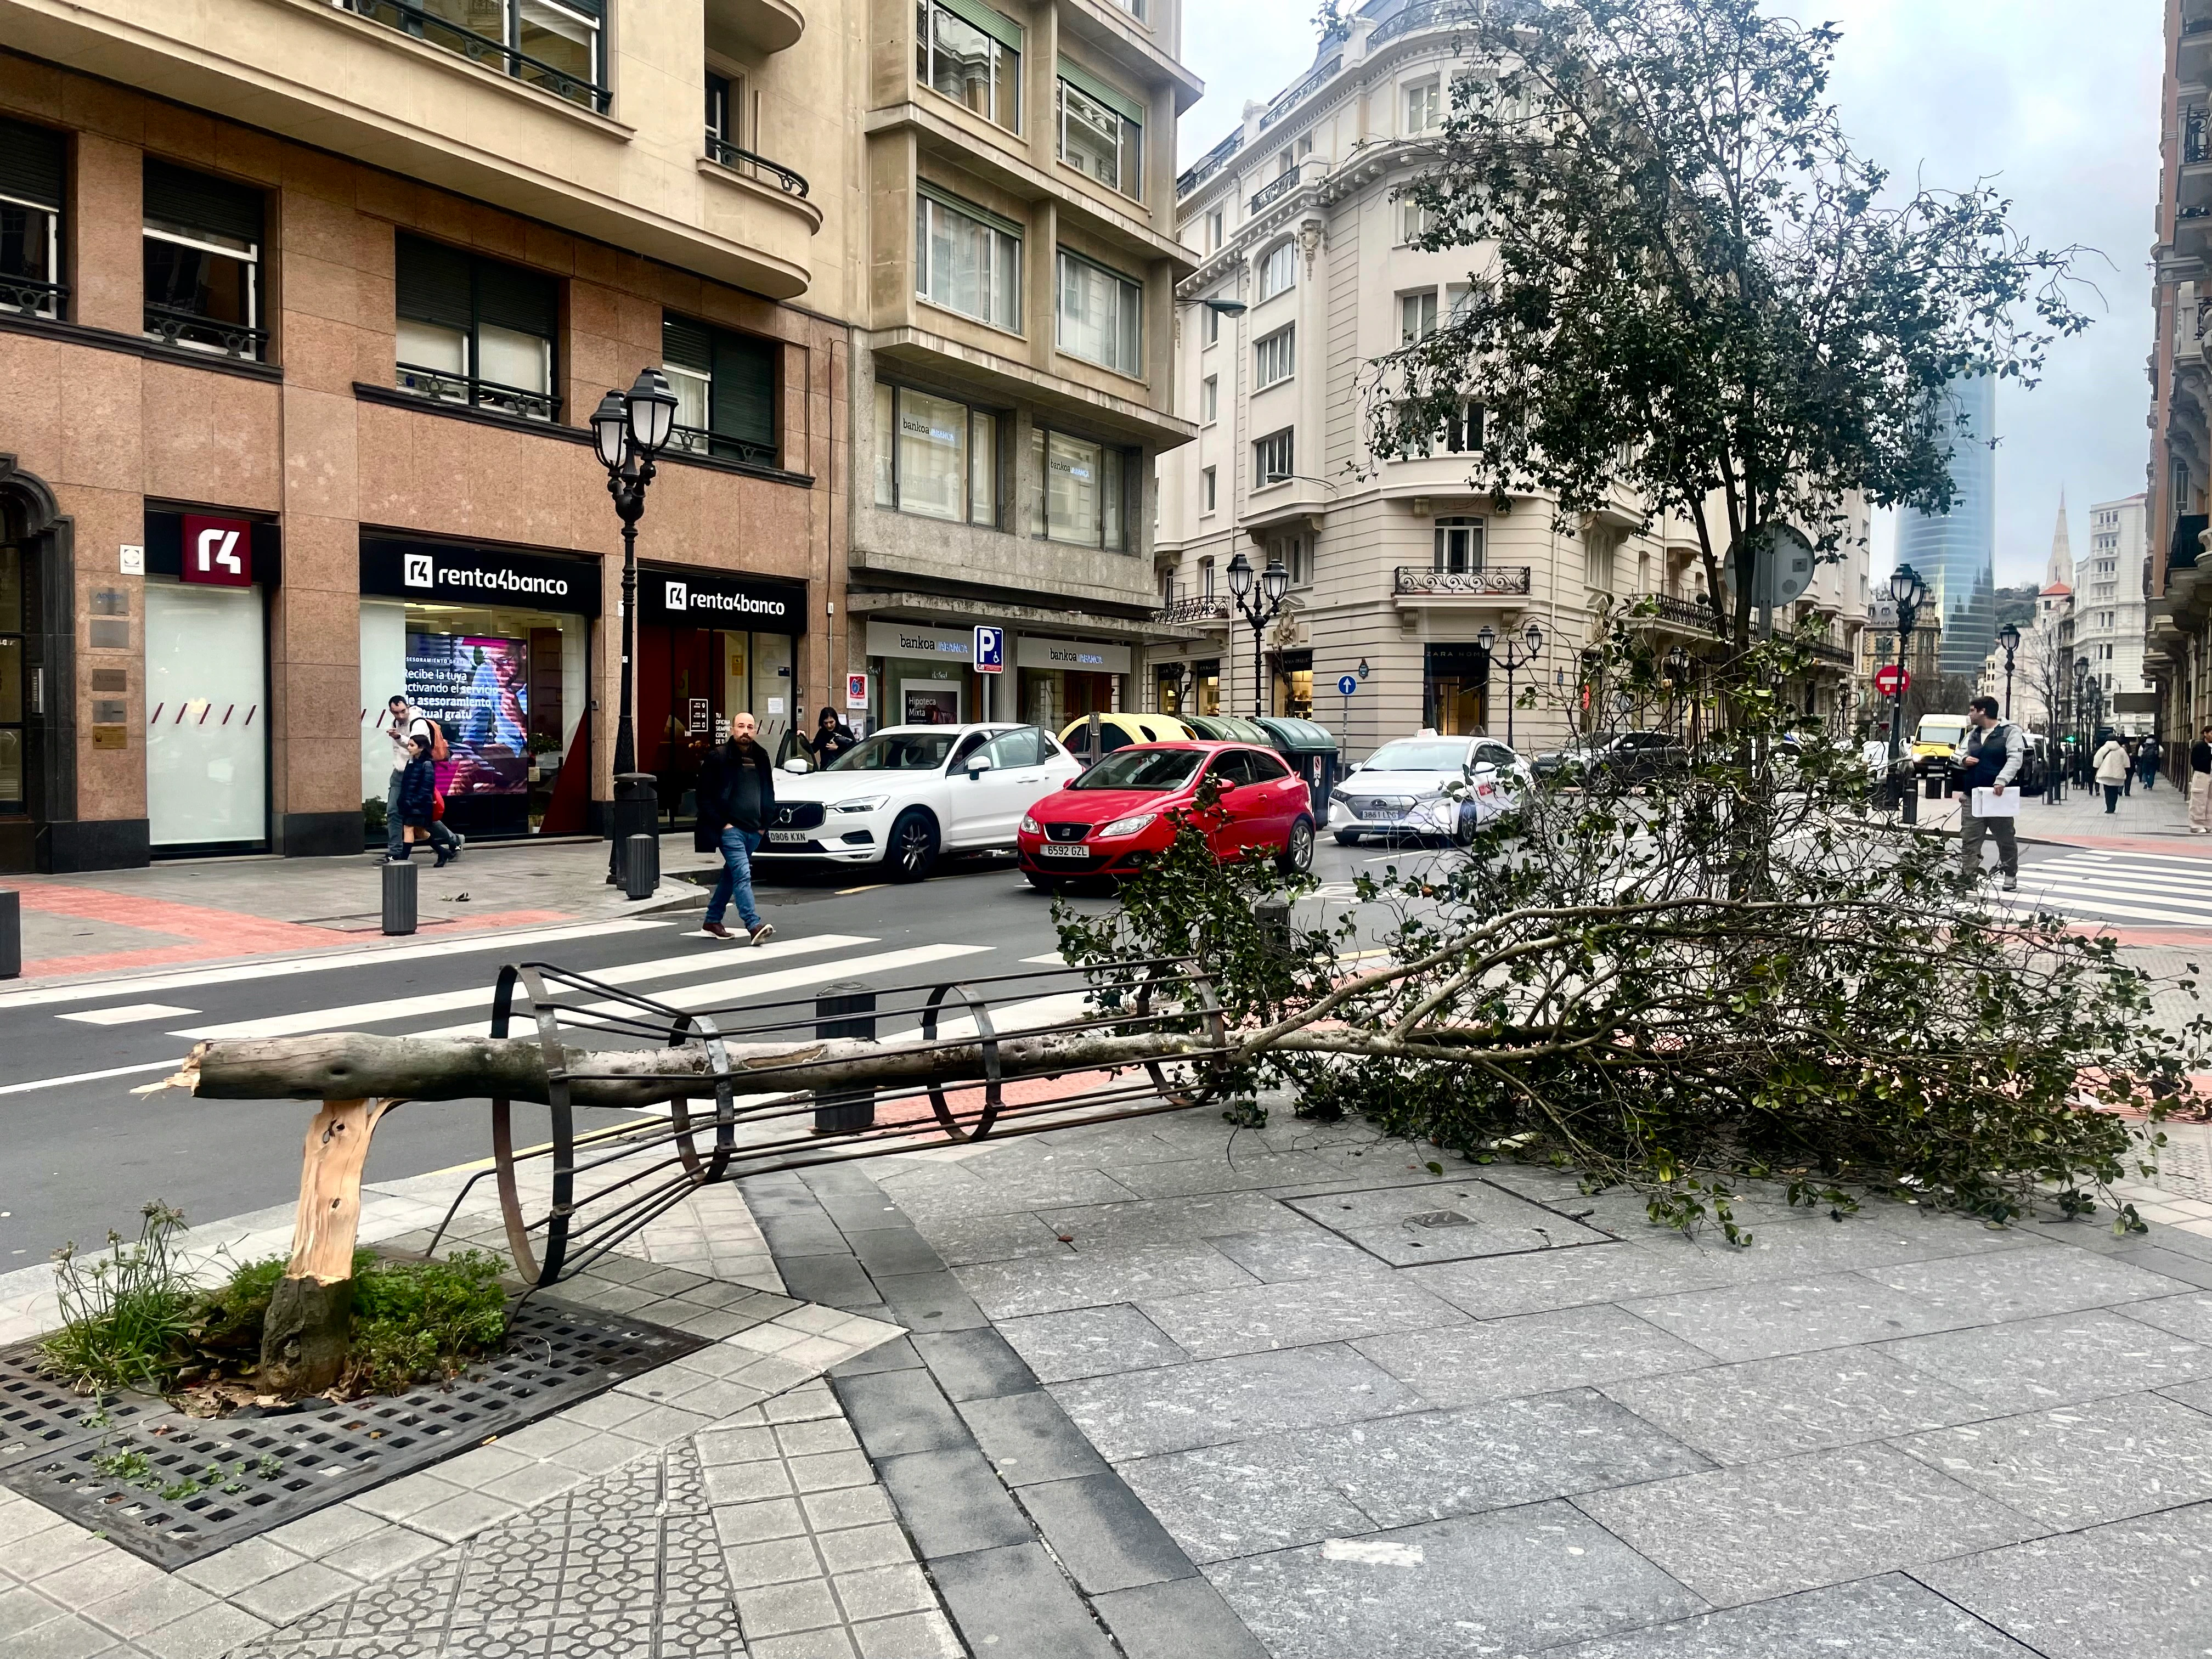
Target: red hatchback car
(1107, 821)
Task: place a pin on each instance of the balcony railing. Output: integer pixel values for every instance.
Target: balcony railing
(1210, 163)
(696, 440)
(1274, 192)
(1493, 581)
(444, 386)
(2195, 142)
(1425, 15)
(174, 325)
(410, 19)
(1676, 613)
(1194, 608)
(758, 167)
(31, 297)
(1291, 99)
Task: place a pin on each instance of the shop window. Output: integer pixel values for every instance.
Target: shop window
(1279, 271)
(13, 702)
(33, 164)
(475, 331)
(556, 48)
(1084, 488)
(725, 386)
(935, 456)
(1205, 686)
(203, 257)
(1459, 545)
(1275, 359)
(973, 55)
(967, 259)
(1100, 316)
(1273, 459)
(1101, 130)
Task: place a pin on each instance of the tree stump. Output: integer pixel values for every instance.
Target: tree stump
(305, 1337)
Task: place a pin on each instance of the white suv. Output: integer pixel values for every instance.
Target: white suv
(905, 794)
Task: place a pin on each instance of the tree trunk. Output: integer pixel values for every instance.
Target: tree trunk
(305, 1338)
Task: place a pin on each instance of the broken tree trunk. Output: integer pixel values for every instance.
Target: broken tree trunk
(305, 1338)
(352, 1066)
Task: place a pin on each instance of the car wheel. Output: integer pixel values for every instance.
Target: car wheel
(1297, 856)
(1347, 838)
(912, 850)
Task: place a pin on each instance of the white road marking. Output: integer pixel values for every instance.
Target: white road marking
(88, 1077)
(130, 1014)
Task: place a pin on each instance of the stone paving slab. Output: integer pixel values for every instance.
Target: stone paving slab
(1891, 1617)
(1530, 1353)
(2059, 1360)
(2078, 1466)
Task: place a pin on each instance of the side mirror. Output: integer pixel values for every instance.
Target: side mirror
(977, 765)
(795, 765)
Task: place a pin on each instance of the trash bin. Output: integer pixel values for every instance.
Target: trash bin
(1312, 752)
(398, 895)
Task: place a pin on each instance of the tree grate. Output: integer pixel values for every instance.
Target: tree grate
(173, 1489)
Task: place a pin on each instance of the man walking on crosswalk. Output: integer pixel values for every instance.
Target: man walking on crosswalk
(1991, 760)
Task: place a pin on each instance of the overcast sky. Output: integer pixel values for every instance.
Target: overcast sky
(2057, 98)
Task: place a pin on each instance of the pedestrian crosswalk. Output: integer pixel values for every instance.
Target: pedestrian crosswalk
(2155, 888)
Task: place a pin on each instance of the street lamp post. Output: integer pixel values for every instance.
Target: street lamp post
(629, 430)
(1274, 583)
(2081, 739)
(1486, 637)
(2008, 637)
(1678, 680)
(1909, 594)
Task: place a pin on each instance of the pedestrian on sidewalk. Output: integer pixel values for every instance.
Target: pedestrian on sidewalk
(404, 722)
(2112, 771)
(1992, 759)
(418, 801)
(2146, 760)
(2200, 784)
(737, 798)
(831, 739)
(2128, 785)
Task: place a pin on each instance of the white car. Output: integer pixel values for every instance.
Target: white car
(1430, 786)
(905, 794)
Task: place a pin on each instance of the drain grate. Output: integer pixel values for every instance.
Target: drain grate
(174, 1489)
(38, 1415)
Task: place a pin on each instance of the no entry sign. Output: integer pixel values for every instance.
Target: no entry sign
(1889, 679)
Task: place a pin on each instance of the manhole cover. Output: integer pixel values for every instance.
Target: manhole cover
(1473, 1218)
(173, 1489)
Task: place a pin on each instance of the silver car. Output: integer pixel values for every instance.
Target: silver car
(1430, 786)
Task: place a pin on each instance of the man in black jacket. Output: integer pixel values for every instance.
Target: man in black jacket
(2200, 784)
(737, 798)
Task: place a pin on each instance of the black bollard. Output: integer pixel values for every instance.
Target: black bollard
(398, 895)
(846, 1009)
(640, 867)
(11, 933)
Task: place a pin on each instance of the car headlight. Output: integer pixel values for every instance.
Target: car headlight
(1339, 798)
(863, 804)
(1030, 826)
(1127, 826)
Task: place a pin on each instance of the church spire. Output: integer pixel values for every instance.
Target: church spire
(2060, 571)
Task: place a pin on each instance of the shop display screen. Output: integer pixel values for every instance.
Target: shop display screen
(478, 690)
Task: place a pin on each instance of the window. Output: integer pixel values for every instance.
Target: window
(475, 330)
(1084, 487)
(1457, 295)
(1206, 574)
(1272, 459)
(1459, 434)
(555, 47)
(966, 260)
(1459, 545)
(973, 56)
(1278, 270)
(1019, 747)
(1296, 553)
(1274, 358)
(725, 387)
(1099, 316)
(32, 164)
(202, 243)
(1414, 221)
(1305, 146)
(1209, 399)
(1213, 325)
(936, 456)
(1101, 130)
(1417, 315)
(1207, 478)
(1597, 561)
(1423, 108)
(1216, 227)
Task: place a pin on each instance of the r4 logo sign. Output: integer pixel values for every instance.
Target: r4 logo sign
(219, 551)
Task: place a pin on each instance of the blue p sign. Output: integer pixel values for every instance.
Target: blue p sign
(990, 650)
(1348, 685)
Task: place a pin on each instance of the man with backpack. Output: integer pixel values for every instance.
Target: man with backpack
(1995, 751)
(405, 722)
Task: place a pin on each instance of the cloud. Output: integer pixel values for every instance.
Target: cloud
(2055, 100)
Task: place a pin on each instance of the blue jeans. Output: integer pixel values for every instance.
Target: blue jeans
(395, 841)
(736, 879)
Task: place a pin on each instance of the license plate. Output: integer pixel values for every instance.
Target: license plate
(788, 837)
(1053, 850)
(1378, 811)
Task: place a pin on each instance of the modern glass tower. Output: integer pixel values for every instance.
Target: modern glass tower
(1955, 552)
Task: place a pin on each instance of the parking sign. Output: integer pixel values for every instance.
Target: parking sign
(990, 649)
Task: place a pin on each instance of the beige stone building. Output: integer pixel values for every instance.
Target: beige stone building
(304, 309)
(1398, 565)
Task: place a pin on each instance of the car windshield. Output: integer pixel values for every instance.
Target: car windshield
(1419, 757)
(897, 751)
(1142, 768)
(1941, 728)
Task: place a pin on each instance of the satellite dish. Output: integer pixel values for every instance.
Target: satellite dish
(1781, 562)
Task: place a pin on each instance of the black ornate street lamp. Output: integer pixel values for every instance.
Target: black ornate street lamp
(1909, 593)
(1274, 583)
(2081, 738)
(1513, 658)
(2008, 637)
(629, 430)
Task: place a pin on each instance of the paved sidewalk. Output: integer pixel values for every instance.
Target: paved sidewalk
(2149, 820)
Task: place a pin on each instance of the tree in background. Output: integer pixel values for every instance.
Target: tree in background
(1694, 288)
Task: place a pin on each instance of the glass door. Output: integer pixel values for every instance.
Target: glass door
(13, 701)
(207, 766)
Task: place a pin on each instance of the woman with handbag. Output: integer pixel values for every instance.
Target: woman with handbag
(418, 800)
